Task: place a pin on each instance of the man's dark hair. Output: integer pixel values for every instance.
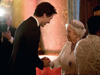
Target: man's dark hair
(93, 24)
(96, 8)
(46, 8)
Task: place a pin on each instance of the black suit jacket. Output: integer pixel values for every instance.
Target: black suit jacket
(5, 50)
(24, 58)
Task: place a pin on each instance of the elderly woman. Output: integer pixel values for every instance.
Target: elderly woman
(74, 31)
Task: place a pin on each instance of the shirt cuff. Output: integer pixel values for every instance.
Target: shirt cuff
(11, 40)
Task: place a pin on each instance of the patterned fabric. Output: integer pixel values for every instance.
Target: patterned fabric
(66, 60)
(87, 53)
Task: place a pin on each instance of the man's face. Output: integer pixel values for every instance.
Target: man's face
(96, 13)
(46, 20)
(8, 19)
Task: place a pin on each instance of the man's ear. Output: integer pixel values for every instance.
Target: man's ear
(44, 15)
(98, 33)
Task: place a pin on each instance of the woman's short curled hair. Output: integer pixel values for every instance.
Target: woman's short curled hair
(77, 26)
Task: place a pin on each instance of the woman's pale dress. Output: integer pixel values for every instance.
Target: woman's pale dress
(66, 60)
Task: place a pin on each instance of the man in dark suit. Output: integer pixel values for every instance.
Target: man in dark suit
(6, 42)
(24, 58)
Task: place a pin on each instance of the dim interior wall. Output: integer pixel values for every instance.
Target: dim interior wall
(21, 10)
(53, 35)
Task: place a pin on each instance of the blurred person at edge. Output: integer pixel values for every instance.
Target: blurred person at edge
(6, 43)
(96, 10)
(75, 30)
(87, 50)
(24, 59)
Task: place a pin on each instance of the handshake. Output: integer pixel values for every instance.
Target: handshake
(46, 62)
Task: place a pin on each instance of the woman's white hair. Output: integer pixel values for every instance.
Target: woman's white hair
(77, 26)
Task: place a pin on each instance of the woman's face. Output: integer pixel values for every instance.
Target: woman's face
(71, 36)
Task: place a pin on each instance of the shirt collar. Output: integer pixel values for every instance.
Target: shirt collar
(36, 21)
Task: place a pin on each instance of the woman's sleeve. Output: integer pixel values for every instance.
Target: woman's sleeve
(57, 62)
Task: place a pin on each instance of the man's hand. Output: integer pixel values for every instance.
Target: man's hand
(7, 34)
(46, 61)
